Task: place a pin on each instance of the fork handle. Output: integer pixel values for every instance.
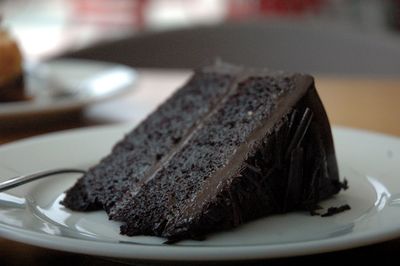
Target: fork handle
(20, 180)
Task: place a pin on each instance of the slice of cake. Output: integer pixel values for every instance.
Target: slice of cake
(231, 146)
(11, 73)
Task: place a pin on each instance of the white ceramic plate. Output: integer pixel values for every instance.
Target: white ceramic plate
(32, 214)
(63, 85)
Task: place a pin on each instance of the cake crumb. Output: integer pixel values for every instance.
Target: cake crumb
(335, 210)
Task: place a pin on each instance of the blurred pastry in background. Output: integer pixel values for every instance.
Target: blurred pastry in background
(11, 69)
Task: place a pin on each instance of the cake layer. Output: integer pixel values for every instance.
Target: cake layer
(148, 144)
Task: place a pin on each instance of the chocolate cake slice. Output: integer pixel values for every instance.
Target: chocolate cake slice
(231, 146)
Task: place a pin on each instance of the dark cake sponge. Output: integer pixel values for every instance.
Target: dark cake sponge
(264, 146)
(150, 142)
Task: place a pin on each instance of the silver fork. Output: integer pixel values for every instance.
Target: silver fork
(20, 180)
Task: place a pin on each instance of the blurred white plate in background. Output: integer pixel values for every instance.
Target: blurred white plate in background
(64, 85)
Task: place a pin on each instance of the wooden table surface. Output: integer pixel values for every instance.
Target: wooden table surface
(371, 104)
